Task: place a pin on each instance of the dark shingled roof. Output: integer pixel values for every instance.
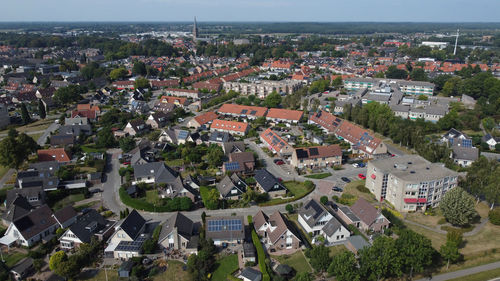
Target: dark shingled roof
(133, 224)
(182, 223)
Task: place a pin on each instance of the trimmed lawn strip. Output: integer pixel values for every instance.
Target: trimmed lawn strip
(296, 260)
(319, 176)
(14, 258)
(481, 276)
(152, 196)
(225, 266)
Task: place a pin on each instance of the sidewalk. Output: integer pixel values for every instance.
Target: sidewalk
(463, 272)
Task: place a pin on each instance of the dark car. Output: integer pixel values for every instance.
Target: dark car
(337, 189)
(345, 179)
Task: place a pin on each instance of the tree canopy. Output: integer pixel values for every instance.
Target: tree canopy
(458, 207)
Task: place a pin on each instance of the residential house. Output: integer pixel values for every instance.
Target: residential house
(225, 230)
(65, 216)
(157, 120)
(76, 121)
(231, 187)
(31, 228)
(23, 269)
(167, 108)
(317, 156)
(20, 202)
(366, 217)
(136, 127)
(464, 156)
(239, 162)
(54, 154)
(88, 225)
(128, 237)
(250, 274)
(233, 147)
(284, 115)
(356, 243)
(170, 182)
(362, 141)
(315, 219)
(175, 136)
(268, 183)
(491, 141)
(244, 111)
(276, 232)
(231, 127)
(275, 143)
(178, 233)
(178, 101)
(203, 119)
(219, 138)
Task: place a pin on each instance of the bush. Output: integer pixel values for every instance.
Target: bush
(347, 199)
(323, 200)
(362, 188)
(494, 216)
(289, 208)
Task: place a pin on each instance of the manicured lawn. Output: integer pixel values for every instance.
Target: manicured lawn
(350, 188)
(13, 258)
(152, 196)
(174, 272)
(437, 239)
(112, 275)
(225, 267)
(319, 176)
(335, 250)
(298, 189)
(481, 276)
(36, 136)
(419, 217)
(89, 148)
(296, 260)
(68, 200)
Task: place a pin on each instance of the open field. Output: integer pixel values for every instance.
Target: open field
(296, 260)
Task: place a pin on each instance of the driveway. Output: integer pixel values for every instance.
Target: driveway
(43, 138)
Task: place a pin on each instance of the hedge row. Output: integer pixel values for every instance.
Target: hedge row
(261, 255)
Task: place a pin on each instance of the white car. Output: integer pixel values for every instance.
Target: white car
(355, 165)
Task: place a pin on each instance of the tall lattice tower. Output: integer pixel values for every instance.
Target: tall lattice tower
(195, 30)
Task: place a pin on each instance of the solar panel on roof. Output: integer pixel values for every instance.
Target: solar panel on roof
(244, 111)
(183, 134)
(466, 143)
(225, 225)
(232, 166)
(313, 151)
(253, 112)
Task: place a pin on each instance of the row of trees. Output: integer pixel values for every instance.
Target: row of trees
(70, 266)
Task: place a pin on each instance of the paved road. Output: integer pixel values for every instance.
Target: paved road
(112, 184)
(463, 272)
(6, 177)
(46, 133)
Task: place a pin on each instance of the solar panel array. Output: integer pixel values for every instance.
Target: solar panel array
(466, 143)
(224, 225)
(183, 134)
(244, 111)
(253, 112)
(313, 151)
(232, 166)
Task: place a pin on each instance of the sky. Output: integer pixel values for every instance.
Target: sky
(252, 10)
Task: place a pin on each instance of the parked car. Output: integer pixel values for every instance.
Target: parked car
(337, 189)
(355, 165)
(279, 162)
(345, 179)
(361, 176)
(361, 165)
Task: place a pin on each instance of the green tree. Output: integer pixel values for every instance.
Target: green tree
(395, 73)
(418, 74)
(458, 207)
(69, 94)
(118, 73)
(25, 115)
(453, 87)
(272, 100)
(139, 68)
(127, 144)
(319, 257)
(289, 208)
(304, 276)
(141, 82)
(15, 149)
(211, 199)
(41, 109)
(337, 82)
(381, 260)
(215, 155)
(449, 251)
(344, 267)
(105, 138)
(415, 251)
(323, 200)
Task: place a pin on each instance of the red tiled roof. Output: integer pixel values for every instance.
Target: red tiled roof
(230, 108)
(229, 125)
(326, 120)
(91, 114)
(272, 139)
(55, 154)
(169, 99)
(206, 117)
(285, 114)
(358, 136)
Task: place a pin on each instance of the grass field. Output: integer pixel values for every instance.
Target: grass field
(152, 196)
(296, 260)
(482, 276)
(319, 176)
(225, 267)
(350, 188)
(430, 221)
(174, 272)
(335, 250)
(175, 162)
(68, 200)
(13, 258)
(112, 275)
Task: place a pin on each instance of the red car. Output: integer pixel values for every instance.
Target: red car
(280, 162)
(361, 176)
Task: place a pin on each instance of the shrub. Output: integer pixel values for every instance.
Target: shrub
(289, 208)
(362, 188)
(323, 200)
(494, 216)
